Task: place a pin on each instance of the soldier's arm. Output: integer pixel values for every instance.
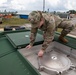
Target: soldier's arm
(33, 35)
(48, 37)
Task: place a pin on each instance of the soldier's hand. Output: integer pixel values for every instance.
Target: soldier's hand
(40, 53)
(28, 46)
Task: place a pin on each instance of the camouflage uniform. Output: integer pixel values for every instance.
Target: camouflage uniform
(67, 26)
(52, 22)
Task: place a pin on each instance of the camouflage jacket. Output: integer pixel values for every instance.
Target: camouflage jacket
(48, 28)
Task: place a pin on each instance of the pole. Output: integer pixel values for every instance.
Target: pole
(43, 5)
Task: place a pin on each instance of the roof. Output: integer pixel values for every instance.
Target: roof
(24, 12)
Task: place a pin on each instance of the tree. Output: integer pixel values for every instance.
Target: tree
(71, 11)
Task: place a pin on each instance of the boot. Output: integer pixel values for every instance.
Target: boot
(61, 38)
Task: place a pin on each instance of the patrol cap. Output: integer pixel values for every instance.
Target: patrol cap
(34, 18)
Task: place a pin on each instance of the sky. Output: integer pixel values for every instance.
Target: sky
(52, 5)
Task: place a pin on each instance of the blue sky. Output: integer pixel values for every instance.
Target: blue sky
(52, 5)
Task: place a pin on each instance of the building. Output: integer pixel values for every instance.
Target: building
(23, 14)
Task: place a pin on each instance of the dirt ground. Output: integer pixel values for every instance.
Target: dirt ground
(1, 29)
(29, 26)
(74, 31)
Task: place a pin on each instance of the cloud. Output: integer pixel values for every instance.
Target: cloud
(2, 1)
(26, 5)
(70, 4)
(52, 5)
(61, 5)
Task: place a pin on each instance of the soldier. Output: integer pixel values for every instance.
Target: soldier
(48, 24)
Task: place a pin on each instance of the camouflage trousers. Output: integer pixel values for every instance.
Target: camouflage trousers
(67, 27)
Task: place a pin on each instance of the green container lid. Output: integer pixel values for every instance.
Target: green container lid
(21, 39)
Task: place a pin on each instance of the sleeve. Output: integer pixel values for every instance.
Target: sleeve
(48, 37)
(33, 35)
